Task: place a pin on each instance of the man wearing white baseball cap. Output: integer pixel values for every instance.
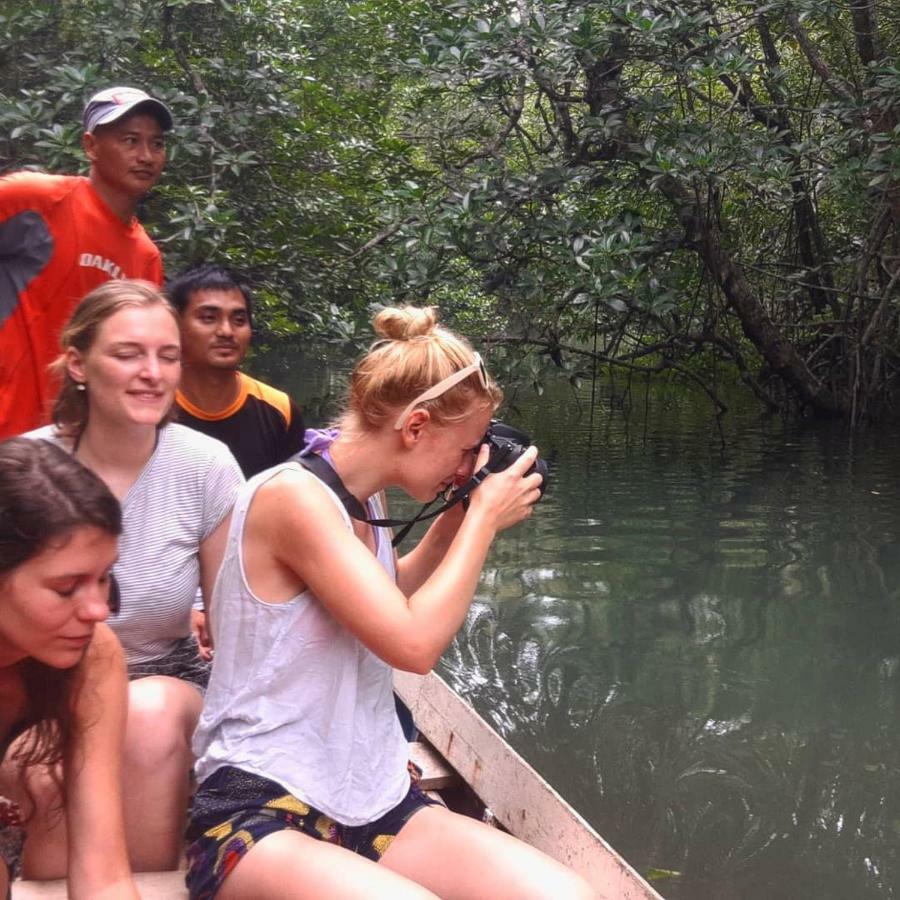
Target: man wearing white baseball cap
(62, 235)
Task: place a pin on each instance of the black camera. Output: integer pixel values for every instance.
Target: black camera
(506, 444)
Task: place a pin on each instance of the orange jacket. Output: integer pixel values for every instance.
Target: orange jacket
(58, 240)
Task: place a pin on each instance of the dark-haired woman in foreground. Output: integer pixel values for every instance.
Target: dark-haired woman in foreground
(305, 790)
(62, 671)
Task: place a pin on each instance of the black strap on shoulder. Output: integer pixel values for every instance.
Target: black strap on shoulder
(324, 471)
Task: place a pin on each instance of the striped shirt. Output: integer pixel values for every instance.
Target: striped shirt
(182, 494)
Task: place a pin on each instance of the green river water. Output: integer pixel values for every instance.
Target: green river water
(696, 638)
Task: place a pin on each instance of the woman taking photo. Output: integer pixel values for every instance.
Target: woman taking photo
(62, 671)
(302, 762)
(119, 370)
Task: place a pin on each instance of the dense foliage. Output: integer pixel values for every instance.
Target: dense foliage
(280, 144)
(709, 191)
(674, 178)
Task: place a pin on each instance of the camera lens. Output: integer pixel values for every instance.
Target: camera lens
(506, 444)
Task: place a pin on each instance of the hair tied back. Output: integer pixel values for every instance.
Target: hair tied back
(407, 323)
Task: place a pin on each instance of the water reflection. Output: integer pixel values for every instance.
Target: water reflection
(702, 654)
(696, 641)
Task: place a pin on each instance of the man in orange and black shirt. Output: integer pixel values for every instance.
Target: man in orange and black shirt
(260, 424)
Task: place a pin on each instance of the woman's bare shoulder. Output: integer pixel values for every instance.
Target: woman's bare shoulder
(293, 489)
(291, 513)
(104, 657)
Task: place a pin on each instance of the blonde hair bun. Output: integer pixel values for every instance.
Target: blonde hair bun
(406, 322)
(413, 353)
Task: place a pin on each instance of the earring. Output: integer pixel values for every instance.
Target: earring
(81, 386)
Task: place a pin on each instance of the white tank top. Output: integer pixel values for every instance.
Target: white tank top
(295, 697)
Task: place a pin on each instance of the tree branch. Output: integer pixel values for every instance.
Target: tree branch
(837, 85)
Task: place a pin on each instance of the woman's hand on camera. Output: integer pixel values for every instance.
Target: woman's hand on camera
(509, 496)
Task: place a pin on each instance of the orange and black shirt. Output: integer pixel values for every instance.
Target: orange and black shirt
(263, 427)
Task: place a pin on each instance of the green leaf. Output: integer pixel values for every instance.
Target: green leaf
(653, 874)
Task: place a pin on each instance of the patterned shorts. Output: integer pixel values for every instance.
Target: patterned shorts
(233, 810)
(12, 836)
(183, 662)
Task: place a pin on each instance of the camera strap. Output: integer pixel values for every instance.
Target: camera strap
(325, 472)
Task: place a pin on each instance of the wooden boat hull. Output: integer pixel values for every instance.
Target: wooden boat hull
(151, 886)
(516, 795)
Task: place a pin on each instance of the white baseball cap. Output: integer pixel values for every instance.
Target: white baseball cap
(113, 103)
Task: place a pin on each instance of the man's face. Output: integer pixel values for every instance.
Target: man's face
(215, 329)
(127, 156)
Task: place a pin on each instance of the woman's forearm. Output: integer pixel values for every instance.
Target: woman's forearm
(98, 858)
(438, 608)
(415, 567)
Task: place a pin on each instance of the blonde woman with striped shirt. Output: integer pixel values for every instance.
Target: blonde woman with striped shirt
(119, 370)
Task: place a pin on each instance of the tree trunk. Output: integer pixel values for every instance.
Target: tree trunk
(704, 236)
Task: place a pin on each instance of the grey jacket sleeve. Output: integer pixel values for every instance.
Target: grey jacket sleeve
(26, 246)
